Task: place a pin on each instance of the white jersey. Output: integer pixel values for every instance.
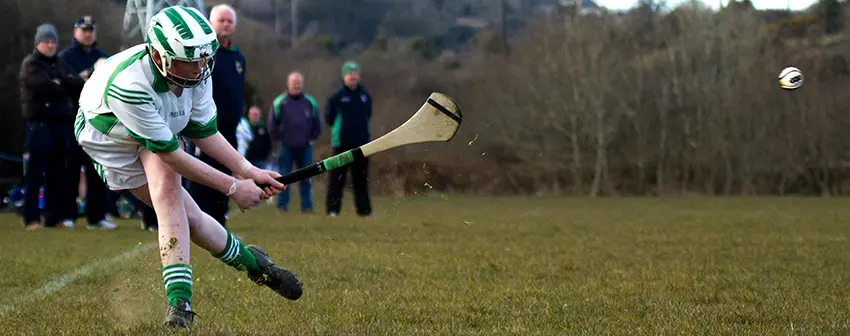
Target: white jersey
(126, 106)
(128, 101)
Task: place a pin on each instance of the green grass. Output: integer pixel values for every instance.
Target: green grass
(467, 266)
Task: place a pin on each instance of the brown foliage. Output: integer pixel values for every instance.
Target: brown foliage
(680, 103)
(702, 114)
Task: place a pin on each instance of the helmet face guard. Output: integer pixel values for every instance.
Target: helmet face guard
(180, 33)
(185, 82)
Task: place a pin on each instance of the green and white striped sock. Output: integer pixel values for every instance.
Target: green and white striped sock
(178, 282)
(237, 255)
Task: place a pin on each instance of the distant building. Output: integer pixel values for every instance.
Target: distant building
(472, 22)
(585, 7)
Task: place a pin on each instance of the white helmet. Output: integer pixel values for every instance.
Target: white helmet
(182, 33)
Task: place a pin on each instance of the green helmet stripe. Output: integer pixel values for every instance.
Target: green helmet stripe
(181, 33)
(179, 24)
(190, 52)
(162, 40)
(201, 21)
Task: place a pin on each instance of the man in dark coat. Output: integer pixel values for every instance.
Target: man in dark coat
(48, 87)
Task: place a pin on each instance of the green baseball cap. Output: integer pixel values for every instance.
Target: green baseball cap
(349, 67)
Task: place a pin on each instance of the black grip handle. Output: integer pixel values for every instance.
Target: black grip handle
(331, 163)
(300, 174)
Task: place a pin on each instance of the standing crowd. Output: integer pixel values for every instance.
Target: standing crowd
(282, 138)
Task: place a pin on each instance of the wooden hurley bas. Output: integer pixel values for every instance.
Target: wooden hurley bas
(436, 121)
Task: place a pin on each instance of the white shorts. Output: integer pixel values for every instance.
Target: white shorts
(115, 160)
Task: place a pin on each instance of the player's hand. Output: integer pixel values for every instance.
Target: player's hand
(248, 194)
(267, 177)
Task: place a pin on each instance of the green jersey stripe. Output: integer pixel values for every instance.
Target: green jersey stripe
(130, 92)
(128, 101)
(104, 122)
(121, 66)
(130, 97)
(196, 130)
(79, 121)
(155, 145)
(99, 169)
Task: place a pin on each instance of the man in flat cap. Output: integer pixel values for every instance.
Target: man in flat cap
(81, 55)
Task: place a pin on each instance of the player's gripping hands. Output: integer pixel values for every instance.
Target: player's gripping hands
(244, 190)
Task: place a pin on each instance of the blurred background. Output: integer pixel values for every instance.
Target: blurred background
(559, 97)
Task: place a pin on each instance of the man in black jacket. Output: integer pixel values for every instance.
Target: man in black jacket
(47, 86)
(81, 55)
(348, 113)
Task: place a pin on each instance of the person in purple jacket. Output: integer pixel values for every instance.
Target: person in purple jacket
(294, 122)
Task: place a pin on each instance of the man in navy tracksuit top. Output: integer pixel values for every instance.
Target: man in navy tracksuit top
(81, 56)
(228, 94)
(295, 122)
(349, 110)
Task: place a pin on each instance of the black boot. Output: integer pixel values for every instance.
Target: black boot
(273, 276)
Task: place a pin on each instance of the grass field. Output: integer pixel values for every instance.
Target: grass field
(463, 266)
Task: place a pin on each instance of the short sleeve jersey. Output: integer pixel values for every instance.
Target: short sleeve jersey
(128, 100)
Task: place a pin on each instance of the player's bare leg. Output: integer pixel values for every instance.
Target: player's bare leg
(164, 191)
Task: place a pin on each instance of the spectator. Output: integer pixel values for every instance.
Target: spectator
(228, 95)
(260, 145)
(348, 113)
(47, 87)
(81, 56)
(243, 136)
(294, 122)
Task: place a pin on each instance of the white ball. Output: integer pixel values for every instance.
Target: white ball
(790, 78)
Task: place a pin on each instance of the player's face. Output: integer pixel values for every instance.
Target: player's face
(223, 24)
(186, 69)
